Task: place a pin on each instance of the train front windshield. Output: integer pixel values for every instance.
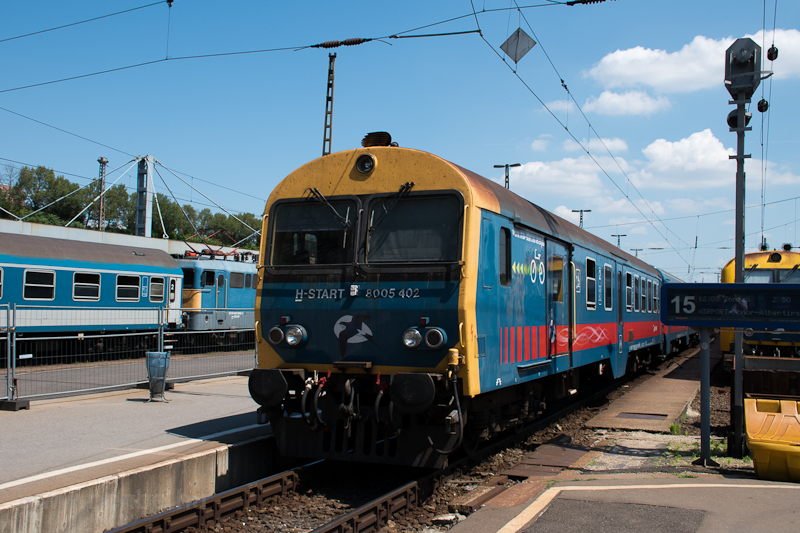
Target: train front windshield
(314, 233)
(414, 229)
(411, 229)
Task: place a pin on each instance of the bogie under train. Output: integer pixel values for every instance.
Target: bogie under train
(408, 306)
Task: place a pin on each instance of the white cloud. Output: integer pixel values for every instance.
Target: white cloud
(698, 65)
(540, 144)
(627, 103)
(624, 206)
(691, 205)
(615, 145)
(578, 177)
(561, 105)
(566, 213)
(698, 161)
(638, 230)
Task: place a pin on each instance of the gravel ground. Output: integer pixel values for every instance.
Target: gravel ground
(307, 509)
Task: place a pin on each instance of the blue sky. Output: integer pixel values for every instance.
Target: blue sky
(648, 75)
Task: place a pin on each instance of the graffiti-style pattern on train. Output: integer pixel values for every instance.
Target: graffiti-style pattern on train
(408, 306)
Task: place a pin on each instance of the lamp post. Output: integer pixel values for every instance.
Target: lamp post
(507, 166)
(581, 211)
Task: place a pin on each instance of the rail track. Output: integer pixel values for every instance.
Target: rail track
(369, 517)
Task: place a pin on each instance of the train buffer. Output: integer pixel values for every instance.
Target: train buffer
(773, 436)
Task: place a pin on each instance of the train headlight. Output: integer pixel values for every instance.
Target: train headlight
(295, 335)
(412, 338)
(365, 163)
(275, 335)
(435, 338)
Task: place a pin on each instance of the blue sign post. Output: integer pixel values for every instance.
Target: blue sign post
(726, 305)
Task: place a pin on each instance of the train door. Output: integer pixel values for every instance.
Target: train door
(559, 296)
(221, 292)
(620, 308)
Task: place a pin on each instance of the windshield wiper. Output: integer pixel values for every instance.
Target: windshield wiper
(789, 274)
(344, 220)
(404, 190)
(748, 271)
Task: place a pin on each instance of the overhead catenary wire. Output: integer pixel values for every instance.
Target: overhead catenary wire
(206, 197)
(591, 156)
(39, 32)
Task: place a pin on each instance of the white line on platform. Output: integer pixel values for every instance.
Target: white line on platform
(550, 494)
(84, 466)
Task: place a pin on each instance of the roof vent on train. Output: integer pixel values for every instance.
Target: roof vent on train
(377, 138)
(774, 258)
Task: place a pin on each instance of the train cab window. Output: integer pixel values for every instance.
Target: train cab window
(39, 285)
(555, 271)
(248, 281)
(423, 229)
(156, 289)
(314, 233)
(636, 293)
(504, 256)
(237, 280)
(628, 291)
(655, 297)
(608, 279)
(591, 284)
(649, 296)
(85, 286)
(188, 278)
(208, 278)
(128, 288)
(221, 281)
(758, 276)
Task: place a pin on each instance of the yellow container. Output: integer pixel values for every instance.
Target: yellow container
(773, 436)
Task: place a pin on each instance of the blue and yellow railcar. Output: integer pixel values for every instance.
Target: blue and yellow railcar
(776, 266)
(408, 306)
(218, 294)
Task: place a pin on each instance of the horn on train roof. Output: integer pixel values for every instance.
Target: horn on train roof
(377, 138)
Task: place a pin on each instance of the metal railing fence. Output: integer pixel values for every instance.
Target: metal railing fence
(45, 355)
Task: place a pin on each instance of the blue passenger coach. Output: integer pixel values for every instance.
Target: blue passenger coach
(63, 286)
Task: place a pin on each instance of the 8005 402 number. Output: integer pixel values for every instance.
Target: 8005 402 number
(392, 293)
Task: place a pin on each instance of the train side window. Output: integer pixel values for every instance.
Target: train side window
(628, 291)
(649, 296)
(237, 280)
(85, 286)
(248, 281)
(655, 297)
(156, 289)
(188, 278)
(127, 288)
(39, 285)
(555, 268)
(504, 255)
(644, 295)
(636, 293)
(208, 278)
(608, 280)
(221, 280)
(591, 284)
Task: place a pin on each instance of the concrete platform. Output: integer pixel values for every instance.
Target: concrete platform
(92, 463)
(660, 401)
(633, 480)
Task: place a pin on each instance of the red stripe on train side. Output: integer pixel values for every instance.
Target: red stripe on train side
(542, 342)
(512, 345)
(520, 346)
